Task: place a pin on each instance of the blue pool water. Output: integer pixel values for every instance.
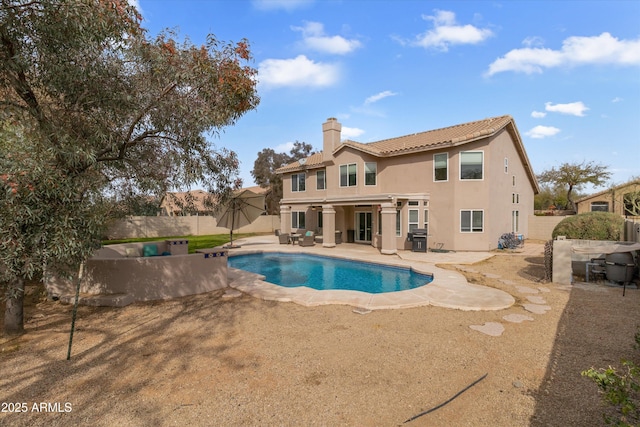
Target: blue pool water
(322, 273)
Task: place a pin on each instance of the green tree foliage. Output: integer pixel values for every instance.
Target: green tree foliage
(92, 107)
(591, 226)
(550, 197)
(574, 176)
(264, 171)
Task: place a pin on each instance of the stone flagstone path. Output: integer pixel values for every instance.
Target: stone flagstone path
(536, 305)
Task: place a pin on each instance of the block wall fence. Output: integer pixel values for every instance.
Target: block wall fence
(162, 226)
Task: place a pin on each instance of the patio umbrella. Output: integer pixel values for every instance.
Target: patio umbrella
(241, 209)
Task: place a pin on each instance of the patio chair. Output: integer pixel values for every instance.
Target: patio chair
(283, 238)
(307, 239)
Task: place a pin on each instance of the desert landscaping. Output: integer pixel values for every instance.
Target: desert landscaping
(215, 359)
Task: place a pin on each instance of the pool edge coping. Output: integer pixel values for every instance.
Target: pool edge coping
(449, 289)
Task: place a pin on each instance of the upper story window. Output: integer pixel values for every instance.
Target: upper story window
(441, 167)
(321, 180)
(506, 165)
(370, 173)
(348, 175)
(471, 164)
(298, 182)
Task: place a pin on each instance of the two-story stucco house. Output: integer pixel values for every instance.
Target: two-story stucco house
(466, 184)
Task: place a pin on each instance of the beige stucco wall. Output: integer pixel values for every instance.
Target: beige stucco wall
(108, 272)
(615, 198)
(160, 226)
(413, 174)
(541, 227)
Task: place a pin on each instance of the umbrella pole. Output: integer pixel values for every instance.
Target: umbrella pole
(233, 223)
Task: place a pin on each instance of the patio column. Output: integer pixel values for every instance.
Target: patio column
(388, 212)
(328, 226)
(285, 219)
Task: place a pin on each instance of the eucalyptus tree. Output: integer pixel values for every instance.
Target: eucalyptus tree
(264, 171)
(92, 106)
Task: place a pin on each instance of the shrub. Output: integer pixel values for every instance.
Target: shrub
(591, 226)
(621, 390)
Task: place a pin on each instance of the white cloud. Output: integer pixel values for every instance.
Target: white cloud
(299, 72)
(377, 97)
(533, 41)
(540, 132)
(602, 49)
(538, 114)
(447, 32)
(348, 132)
(283, 148)
(288, 5)
(314, 38)
(573, 108)
(616, 99)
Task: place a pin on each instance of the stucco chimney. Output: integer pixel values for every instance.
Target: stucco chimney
(330, 138)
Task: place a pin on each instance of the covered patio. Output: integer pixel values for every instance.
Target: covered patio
(375, 220)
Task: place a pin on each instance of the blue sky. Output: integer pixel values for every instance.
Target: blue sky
(567, 71)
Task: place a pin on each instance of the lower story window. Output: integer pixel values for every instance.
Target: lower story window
(471, 221)
(298, 220)
(599, 206)
(426, 219)
(515, 221)
(413, 219)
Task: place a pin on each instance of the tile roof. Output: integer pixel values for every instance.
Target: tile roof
(633, 183)
(422, 141)
(255, 189)
(452, 135)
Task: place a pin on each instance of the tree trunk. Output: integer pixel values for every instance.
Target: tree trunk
(13, 315)
(570, 203)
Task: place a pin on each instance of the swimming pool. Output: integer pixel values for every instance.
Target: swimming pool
(325, 273)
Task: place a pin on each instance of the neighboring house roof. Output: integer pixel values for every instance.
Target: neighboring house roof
(609, 190)
(426, 141)
(255, 189)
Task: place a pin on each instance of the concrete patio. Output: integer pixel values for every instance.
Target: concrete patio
(449, 288)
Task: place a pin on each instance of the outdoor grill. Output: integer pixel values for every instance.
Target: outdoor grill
(418, 239)
(619, 267)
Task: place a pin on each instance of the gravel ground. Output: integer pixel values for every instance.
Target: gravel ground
(208, 360)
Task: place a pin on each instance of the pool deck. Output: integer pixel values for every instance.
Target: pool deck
(449, 288)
